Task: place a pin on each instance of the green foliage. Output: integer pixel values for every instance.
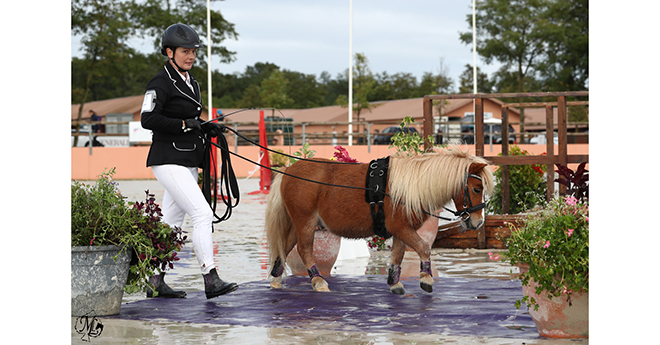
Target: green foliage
(378, 243)
(527, 187)
(484, 85)
(554, 242)
(548, 40)
(101, 216)
(278, 160)
(409, 144)
(363, 86)
(110, 68)
(304, 152)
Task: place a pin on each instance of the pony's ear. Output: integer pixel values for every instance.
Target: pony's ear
(476, 167)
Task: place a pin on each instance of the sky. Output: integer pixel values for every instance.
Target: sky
(412, 36)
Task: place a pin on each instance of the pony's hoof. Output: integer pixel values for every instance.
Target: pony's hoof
(397, 289)
(319, 284)
(426, 282)
(276, 283)
(426, 287)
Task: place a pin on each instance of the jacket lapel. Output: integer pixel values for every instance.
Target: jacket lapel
(180, 84)
(197, 94)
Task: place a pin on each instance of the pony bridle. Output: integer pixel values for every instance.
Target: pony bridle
(464, 214)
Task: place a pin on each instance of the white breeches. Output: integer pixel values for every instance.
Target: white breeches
(183, 195)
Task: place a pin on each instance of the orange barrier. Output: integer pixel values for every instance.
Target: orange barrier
(130, 162)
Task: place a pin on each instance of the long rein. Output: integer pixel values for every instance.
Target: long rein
(230, 181)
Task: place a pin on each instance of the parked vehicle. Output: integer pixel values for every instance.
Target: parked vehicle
(492, 127)
(386, 136)
(540, 139)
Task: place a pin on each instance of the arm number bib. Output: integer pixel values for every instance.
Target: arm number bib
(149, 102)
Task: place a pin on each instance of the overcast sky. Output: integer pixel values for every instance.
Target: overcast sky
(312, 36)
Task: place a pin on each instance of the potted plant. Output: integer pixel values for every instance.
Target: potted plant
(527, 187)
(129, 239)
(552, 251)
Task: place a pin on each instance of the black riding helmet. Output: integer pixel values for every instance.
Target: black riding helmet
(179, 35)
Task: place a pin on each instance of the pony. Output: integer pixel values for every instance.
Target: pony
(332, 194)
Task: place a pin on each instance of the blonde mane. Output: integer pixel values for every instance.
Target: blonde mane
(428, 181)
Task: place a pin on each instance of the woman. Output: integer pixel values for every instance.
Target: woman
(171, 109)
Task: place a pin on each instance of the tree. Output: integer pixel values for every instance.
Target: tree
(127, 71)
(513, 33)
(273, 91)
(483, 84)
(152, 17)
(567, 67)
(105, 29)
(304, 90)
(364, 84)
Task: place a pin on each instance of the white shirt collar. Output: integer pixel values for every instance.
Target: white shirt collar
(186, 78)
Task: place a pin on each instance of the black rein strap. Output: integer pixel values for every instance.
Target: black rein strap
(229, 186)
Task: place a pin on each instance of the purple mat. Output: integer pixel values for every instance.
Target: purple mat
(457, 306)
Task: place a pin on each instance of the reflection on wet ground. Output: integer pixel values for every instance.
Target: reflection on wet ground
(240, 255)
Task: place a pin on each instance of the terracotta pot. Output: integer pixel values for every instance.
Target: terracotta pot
(555, 318)
(326, 250)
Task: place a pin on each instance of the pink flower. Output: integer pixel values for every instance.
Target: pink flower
(495, 257)
(570, 232)
(92, 241)
(571, 200)
(547, 244)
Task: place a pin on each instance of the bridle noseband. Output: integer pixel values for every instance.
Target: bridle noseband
(464, 214)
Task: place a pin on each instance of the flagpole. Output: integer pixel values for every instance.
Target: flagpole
(474, 58)
(350, 77)
(474, 46)
(208, 54)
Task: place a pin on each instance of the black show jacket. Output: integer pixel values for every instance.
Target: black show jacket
(167, 102)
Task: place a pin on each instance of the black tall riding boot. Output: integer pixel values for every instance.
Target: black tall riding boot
(214, 286)
(162, 288)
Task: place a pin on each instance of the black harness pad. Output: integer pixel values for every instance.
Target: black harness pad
(376, 182)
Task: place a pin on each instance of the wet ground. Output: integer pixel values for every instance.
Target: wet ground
(240, 255)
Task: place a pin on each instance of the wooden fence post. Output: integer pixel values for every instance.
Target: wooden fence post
(506, 195)
(550, 151)
(428, 122)
(562, 123)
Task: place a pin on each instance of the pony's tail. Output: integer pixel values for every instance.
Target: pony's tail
(278, 224)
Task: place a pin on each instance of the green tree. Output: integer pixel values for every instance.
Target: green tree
(273, 91)
(512, 32)
(364, 84)
(333, 88)
(566, 68)
(152, 17)
(119, 70)
(483, 84)
(105, 29)
(304, 90)
(542, 44)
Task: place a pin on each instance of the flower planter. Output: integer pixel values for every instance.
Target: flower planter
(555, 318)
(97, 281)
(326, 250)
